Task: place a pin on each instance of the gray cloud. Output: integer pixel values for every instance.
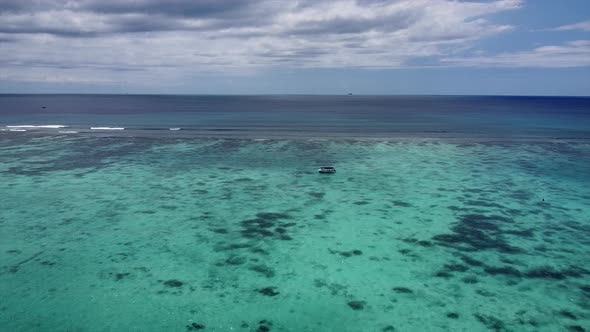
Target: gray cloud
(186, 8)
(28, 6)
(89, 18)
(7, 39)
(95, 17)
(183, 8)
(352, 25)
(61, 65)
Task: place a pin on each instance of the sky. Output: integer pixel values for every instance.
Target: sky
(496, 47)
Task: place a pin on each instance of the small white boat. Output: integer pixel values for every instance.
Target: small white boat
(327, 169)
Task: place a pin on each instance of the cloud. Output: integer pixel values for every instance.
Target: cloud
(245, 33)
(94, 17)
(568, 55)
(176, 38)
(584, 26)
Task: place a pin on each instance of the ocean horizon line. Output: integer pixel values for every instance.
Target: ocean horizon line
(288, 94)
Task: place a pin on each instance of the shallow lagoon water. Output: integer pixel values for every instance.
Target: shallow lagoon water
(213, 234)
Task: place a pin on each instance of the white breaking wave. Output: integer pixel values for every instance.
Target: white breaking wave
(107, 128)
(174, 128)
(67, 132)
(17, 130)
(35, 126)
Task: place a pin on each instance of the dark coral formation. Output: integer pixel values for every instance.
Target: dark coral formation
(491, 322)
(357, 305)
(264, 326)
(173, 283)
(269, 291)
(263, 270)
(567, 314)
(194, 327)
(317, 195)
(502, 270)
(402, 290)
(355, 252)
(235, 260)
(575, 328)
(220, 230)
(547, 272)
(540, 272)
(471, 261)
(121, 275)
(401, 204)
(333, 287)
(454, 267)
(267, 225)
(470, 280)
(422, 243)
(475, 232)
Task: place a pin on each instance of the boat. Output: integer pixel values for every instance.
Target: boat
(327, 169)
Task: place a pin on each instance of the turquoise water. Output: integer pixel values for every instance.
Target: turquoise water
(163, 234)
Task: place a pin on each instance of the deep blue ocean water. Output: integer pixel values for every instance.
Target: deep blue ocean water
(308, 115)
(445, 213)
